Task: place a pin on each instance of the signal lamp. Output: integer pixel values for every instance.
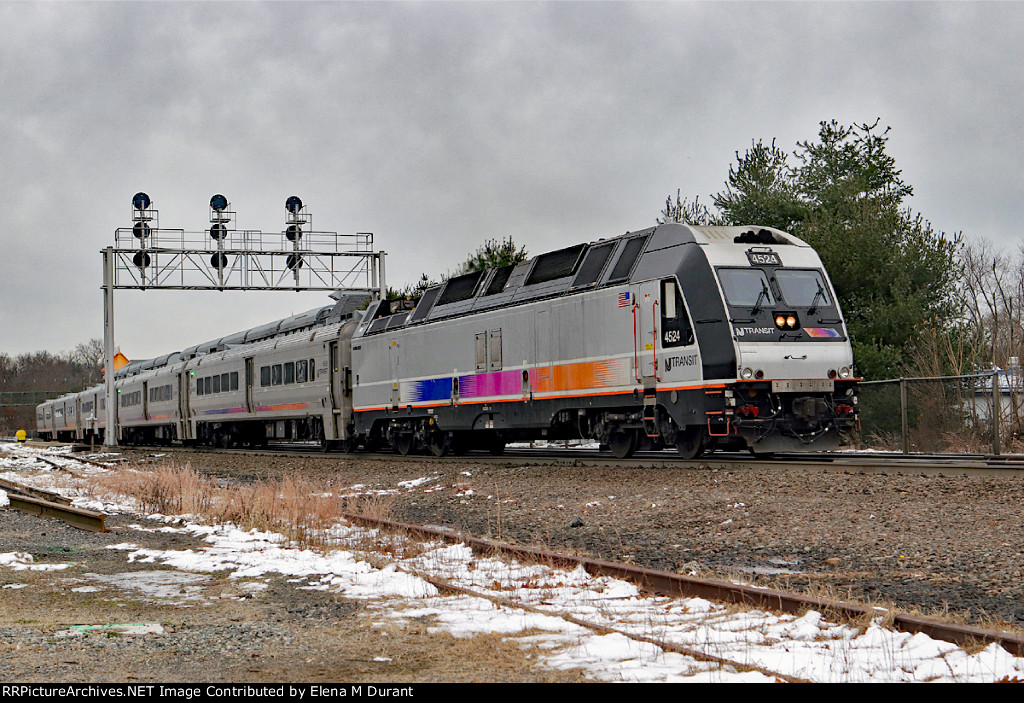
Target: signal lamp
(294, 261)
(293, 204)
(219, 261)
(293, 232)
(141, 259)
(218, 230)
(219, 203)
(141, 230)
(141, 201)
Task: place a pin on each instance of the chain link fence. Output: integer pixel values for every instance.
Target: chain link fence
(979, 413)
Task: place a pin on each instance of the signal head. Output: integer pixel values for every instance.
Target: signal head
(219, 203)
(141, 201)
(293, 204)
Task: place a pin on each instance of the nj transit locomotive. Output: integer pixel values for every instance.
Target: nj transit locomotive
(700, 338)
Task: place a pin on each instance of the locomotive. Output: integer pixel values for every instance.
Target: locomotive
(692, 337)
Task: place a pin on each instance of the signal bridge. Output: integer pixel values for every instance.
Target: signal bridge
(298, 258)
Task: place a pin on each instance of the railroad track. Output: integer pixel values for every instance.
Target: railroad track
(650, 580)
(1005, 465)
(35, 501)
(678, 585)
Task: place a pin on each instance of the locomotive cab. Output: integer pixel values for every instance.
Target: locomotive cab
(794, 382)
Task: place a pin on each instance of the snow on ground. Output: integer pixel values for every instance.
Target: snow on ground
(532, 599)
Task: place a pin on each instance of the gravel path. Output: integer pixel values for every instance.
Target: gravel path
(930, 543)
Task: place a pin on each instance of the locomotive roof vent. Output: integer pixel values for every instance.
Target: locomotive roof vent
(761, 236)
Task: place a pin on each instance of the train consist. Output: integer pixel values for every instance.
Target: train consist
(698, 338)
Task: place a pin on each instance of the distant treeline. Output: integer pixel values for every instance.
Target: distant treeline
(28, 379)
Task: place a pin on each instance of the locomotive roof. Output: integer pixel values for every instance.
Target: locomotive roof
(604, 262)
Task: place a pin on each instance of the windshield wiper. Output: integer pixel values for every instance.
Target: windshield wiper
(764, 294)
(814, 303)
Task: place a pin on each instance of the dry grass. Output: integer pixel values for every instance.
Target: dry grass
(299, 509)
(375, 507)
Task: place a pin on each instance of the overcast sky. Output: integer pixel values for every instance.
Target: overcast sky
(436, 126)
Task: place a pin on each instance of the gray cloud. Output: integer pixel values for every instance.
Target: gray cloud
(439, 125)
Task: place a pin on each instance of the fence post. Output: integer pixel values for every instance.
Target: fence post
(996, 412)
(903, 416)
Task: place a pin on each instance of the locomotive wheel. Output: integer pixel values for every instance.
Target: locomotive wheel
(404, 443)
(690, 442)
(439, 444)
(496, 447)
(622, 443)
(348, 445)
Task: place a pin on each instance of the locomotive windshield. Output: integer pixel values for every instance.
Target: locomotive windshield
(803, 288)
(746, 287)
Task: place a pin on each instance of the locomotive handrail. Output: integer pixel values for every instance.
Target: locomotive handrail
(654, 338)
(636, 355)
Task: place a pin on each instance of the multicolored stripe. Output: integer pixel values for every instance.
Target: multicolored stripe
(542, 379)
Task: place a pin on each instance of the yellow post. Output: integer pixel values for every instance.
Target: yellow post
(21, 435)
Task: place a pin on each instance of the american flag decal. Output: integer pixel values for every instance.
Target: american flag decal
(624, 300)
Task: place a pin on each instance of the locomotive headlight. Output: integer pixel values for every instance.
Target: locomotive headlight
(747, 373)
(786, 321)
(845, 372)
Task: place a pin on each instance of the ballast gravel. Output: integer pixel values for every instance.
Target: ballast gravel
(925, 543)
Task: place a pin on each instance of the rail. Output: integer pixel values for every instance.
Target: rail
(671, 584)
(34, 501)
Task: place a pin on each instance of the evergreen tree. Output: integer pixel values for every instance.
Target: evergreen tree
(492, 254)
(761, 190)
(688, 213)
(893, 273)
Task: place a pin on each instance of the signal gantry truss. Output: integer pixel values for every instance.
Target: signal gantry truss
(147, 257)
(222, 258)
